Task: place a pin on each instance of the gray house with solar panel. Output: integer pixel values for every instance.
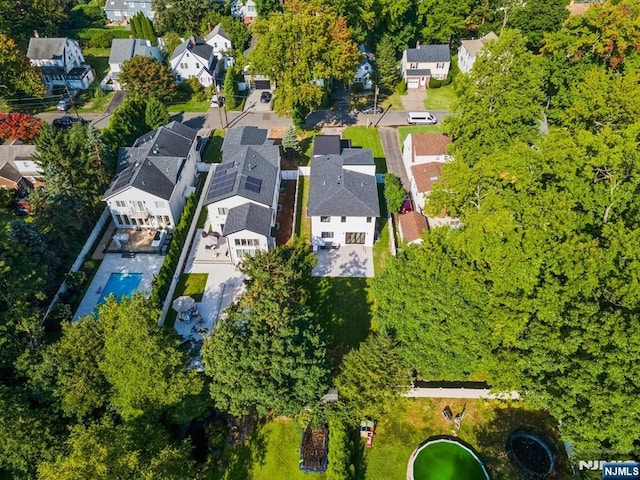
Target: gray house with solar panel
(155, 177)
(242, 198)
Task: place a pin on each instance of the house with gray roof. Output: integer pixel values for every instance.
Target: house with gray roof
(470, 49)
(18, 169)
(194, 58)
(343, 198)
(154, 178)
(424, 62)
(123, 49)
(61, 62)
(242, 198)
(122, 10)
(220, 41)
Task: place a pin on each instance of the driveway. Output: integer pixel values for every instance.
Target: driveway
(346, 261)
(253, 103)
(413, 101)
(393, 154)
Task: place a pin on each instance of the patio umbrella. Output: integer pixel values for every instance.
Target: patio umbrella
(183, 303)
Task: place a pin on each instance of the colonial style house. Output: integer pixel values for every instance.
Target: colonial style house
(123, 49)
(364, 74)
(155, 176)
(18, 170)
(470, 49)
(343, 195)
(119, 10)
(423, 155)
(242, 198)
(61, 62)
(220, 41)
(244, 10)
(194, 58)
(424, 62)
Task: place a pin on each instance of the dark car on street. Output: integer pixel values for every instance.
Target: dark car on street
(265, 97)
(67, 121)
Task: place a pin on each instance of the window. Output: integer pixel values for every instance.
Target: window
(119, 219)
(440, 65)
(215, 44)
(247, 242)
(326, 234)
(366, 68)
(222, 211)
(126, 219)
(197, 65)
(343, 219)
(358, 79)
(325, 219)
(121, 203)
(241, 253)
(138, 205)
(413, 66)
(368, 219)
(161, 204)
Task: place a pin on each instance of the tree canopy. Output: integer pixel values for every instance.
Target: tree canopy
(16, 73)
(147, 77)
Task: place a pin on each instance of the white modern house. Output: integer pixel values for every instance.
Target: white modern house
(242, 198)
(194, 58)
(123, 49)
(424, 62)
(123, 10)
(364, 73)
(61, 62)
(155, 177)
(423, 155)
(244, 10)
(470, 49)
(220, 41)
(343, 195)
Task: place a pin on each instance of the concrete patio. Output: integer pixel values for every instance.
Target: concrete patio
(346, 261)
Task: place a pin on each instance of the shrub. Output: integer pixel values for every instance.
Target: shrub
(83, 16)
(339, 458)
(401, 87)
(102, 39)
(89, 266)
(435, 83)
(447, 80)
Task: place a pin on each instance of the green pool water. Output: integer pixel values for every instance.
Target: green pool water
(447, 460)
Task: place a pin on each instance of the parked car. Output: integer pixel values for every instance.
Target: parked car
(424, 118)
(406, 206)
(372, 110)
(64, 104)
(67, 121)
(216, 101)
(265, 97)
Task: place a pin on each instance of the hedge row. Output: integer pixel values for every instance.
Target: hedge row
(162, 281)
(435, 83)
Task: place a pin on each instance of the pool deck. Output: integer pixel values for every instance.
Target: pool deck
(146, 264)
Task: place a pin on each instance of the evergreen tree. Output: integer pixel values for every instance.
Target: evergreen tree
(290, 142)
(230, 89)
(386, 65)
(394, 193)
(135, 26)
(156, 114)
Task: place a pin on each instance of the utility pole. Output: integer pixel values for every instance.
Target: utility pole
(375, 99)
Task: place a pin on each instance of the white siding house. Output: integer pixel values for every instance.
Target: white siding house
(220, 41)
(61, 62)
(242, 198)
(123, 49)
(123, 10)
(244, 10)
(343, 196)
(364, 74)
(470, 49)
(194, 58)
(424, 62)
(154, 178)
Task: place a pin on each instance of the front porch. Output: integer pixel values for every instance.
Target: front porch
(208, 248)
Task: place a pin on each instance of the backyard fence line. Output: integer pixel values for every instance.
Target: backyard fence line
(485, 393)
(392, 234)
(289, 174)
(93, 236)
(185, 249)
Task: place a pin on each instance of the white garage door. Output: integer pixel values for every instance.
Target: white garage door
(413, 83)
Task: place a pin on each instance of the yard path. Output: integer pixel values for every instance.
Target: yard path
(389, 139)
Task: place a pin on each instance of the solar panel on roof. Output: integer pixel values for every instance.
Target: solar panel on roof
(253, 184)
(123, 179)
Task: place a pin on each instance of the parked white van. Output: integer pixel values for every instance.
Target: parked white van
(425, 118)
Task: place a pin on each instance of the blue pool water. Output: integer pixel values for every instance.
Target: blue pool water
(120, 285)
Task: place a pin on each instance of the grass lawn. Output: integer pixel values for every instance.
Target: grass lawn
(272, 452)
(213, 152)
(440, 98)
(191, 284)
(367, 137)
(343, 307)
(183, 101)
(486, 426)
(404, 131)
(98, 58)
(381, 247)
(392, 102)
(303, 223)
(306, 146)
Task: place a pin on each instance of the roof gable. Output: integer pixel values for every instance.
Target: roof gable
(194, 46)
(426, 175)
(429, 54)
(248, 216)
(46, 48)
(429, 143)
(218, 30)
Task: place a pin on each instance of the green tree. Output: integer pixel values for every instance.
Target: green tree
(443, 20)
(171, 42)
(500, 101)
(230, 89)
(126, 124)
(394, 193)
(136, 27)
(182, 16)
(386, 65)
(235, 27)
(16, 74)
(156, 114)
(537, 18)
(294, 50)
(266, 7)
(290, 142)
(147, 77)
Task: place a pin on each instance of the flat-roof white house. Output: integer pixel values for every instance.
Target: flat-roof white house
(242, 198)
(220, 41)
(424, 62)
(364, 73)
(123, 49)
(61, 62)
(155, 177)
(343, 194)
(470, 49)
(194, 58)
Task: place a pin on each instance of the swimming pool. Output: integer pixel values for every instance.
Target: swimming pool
(445, 459)
(120, 285)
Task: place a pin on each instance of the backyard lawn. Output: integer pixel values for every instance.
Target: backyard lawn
(303, 223)
(486, 426)
(404, 131)
(213, 152)
(381, 247)
(184, 101)
(367, 137)
(191, 284)
(440, 98)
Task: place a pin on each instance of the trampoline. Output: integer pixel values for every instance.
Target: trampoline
(532, 452)
(445, 459)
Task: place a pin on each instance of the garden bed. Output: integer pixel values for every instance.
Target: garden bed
(313, 450)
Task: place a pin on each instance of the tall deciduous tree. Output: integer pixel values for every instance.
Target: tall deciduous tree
(126, 124)
(309, 42)
(230, 90)
(19, 126)
(16, 73)
(386, 65)
(155, 113)
(182, 16)
(147, 77)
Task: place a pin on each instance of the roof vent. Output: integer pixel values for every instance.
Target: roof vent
(362, 184)
(433, 179)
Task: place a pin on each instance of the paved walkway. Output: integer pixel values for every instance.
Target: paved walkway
(460, 393)
(391, 147)
(346, 261)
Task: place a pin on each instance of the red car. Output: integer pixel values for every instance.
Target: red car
(406, 206)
